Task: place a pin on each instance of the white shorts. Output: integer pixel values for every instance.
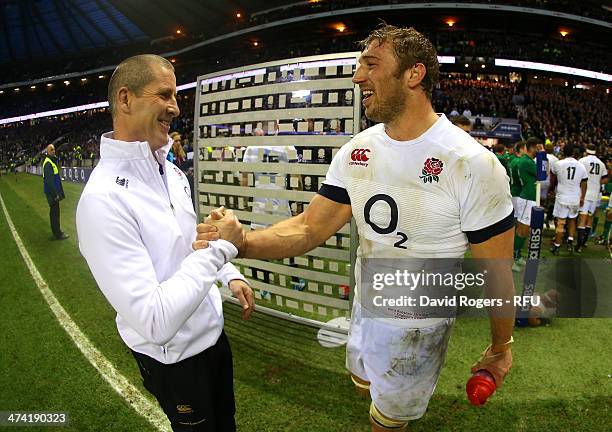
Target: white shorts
(401, 364)
(589, 207)
(563, 211)
(514, 205)
(523, 210)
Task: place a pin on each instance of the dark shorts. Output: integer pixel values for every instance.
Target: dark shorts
(197, 394)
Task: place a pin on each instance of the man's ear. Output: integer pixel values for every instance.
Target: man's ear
(415, 75)
(124, 99)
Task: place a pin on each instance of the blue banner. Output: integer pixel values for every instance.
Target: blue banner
(541, 166)
(504, 129)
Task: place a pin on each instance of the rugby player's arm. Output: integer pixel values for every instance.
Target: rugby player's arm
(295, 236)
(583, 187)
(497, 250)
(553, 183)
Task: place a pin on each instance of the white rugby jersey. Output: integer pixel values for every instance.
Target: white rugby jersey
(419, 198)
(552, 160)
(569, 174)
(596, 170)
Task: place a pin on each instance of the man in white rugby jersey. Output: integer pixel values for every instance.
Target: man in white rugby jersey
(598, 175)
(547, 202)
(570, 179)
(419, 188)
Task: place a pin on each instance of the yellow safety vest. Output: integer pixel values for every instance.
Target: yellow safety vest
(55, 169)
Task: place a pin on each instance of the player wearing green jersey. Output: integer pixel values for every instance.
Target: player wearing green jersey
(503, 157)
(515, 183)
(526, 170)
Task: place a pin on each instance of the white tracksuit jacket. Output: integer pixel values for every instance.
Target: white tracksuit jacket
(135, 229)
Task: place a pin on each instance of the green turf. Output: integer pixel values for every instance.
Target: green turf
(284, 380)
(42, 370)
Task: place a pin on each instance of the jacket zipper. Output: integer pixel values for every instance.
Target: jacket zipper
(164, 188)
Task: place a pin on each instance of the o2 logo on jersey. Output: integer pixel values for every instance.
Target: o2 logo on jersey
(431, 170)
(360, 157)
(392, 223)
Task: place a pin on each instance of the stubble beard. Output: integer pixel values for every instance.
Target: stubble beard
(389, 109)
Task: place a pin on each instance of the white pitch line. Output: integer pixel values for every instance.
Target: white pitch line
(118, 382)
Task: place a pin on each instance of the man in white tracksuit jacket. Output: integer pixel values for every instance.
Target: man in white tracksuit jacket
(136, 228)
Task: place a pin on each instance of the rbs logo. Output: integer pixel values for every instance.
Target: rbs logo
(360, 157)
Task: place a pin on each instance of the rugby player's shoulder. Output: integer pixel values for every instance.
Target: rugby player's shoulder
(373, 132)
(459, 145)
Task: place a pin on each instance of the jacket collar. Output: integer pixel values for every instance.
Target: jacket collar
(115, 149)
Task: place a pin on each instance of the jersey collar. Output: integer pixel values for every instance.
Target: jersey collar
(115, 149)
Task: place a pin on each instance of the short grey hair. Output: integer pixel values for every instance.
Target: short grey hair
(134, 73)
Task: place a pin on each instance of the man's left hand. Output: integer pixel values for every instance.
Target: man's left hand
(497, 364)
(243, 292)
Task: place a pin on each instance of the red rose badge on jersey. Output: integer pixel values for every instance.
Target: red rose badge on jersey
(431, 170)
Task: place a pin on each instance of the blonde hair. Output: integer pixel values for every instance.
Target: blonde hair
(177, 148)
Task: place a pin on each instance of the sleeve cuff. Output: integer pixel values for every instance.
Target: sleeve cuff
(335, 193)
(226, 246)
(484, 234)
(228, 273)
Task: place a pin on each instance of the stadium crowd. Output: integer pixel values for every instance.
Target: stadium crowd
(76, 136)
(590, 9)
(469, 44)
(559, 114)
(489, 43)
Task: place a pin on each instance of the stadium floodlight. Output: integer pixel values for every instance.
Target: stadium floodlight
(78, 108)
(520, 64)
(186, 86)
(54, 112)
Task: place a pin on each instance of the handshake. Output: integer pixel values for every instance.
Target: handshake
(220, 224)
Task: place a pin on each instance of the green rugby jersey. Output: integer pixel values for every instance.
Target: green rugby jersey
(527, 176)
(515, 182)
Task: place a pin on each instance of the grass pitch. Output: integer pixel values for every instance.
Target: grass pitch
(284, 380)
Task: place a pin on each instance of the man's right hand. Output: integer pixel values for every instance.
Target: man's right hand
(222, 224)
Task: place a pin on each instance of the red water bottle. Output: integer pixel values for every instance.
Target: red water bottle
(480, 387)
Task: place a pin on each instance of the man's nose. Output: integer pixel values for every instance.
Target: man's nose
(358, 76)
(174, 110)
